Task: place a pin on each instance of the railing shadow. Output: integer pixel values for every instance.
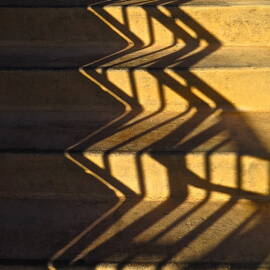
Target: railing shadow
(102, 239)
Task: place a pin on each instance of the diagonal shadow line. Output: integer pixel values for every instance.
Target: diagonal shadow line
(107, 178)
(198, 230)
(229, 191)
(157, 211)
(218, 99)
(140, 46)
(164, 231)
(111, 150)
(182, 33)
(133, 108)
(244, 238)
(124, 118)
(154, 213)
(151, 36)
(134, 43)
(178, 34)
(158, 111)
(222, 100)
(171, 226)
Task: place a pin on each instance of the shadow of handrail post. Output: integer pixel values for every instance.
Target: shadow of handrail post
(179, 181)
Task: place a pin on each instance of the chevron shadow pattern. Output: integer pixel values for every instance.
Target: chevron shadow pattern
(163, 155)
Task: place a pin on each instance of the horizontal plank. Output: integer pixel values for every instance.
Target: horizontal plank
(149, 232)
(105, 26)
(59, 56)
(73, 3)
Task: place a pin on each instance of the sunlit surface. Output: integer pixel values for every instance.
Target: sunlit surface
(190, 172)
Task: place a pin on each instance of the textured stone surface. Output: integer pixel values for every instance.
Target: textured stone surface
(160, 161)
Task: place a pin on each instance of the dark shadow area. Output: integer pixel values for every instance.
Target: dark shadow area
(44, 110)
(51, 110)
(47, 37)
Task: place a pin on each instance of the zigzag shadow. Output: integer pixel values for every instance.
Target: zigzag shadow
(169, 151)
